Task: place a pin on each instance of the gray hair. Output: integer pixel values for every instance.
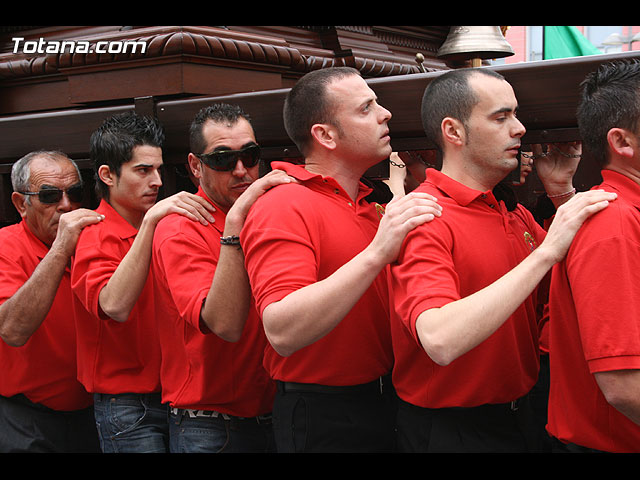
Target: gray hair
(21, 172)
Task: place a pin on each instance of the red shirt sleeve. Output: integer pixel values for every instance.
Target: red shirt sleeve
(187, 282)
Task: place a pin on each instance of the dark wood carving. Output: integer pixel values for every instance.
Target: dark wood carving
(57, 101)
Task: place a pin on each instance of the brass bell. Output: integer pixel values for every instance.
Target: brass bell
(475, 43)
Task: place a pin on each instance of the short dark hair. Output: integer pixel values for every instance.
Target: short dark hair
(307, 104)
(449, 95)
(113, 142)
(218, 113)
(610, 98)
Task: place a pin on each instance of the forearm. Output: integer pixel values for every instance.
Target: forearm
(23, 313)
(228, 301)
(308, 314)
(621, 389)
(118, 297)
(448, 332)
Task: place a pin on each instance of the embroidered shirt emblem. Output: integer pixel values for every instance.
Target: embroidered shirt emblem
(528, 238)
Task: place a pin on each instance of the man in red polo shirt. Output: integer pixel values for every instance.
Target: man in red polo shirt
(464, 321)
(315, 253)
(219, 394)
(594, 398)
(43, 407)
(116, 323)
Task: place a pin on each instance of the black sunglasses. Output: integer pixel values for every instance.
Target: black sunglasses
(225, 160)
(54, 195)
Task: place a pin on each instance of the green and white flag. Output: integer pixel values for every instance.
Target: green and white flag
(563, 42)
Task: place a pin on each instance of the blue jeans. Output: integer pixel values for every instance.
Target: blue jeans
(131, 423)
(205, 433)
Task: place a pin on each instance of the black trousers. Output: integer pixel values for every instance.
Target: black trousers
(29, 427)
(500, 428)
(313, 418)
(559, 447)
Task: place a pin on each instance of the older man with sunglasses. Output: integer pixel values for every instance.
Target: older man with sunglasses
(43, 408)
(212, 342)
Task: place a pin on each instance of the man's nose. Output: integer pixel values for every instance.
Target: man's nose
(65, 204)
(239, 170)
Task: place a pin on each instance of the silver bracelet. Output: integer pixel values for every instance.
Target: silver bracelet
(230, 240)
(563, 195)
(547, 153)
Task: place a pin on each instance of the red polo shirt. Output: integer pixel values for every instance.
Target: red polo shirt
(595, 322)
(113, 357)
(199, 369)
(474, 243)
(298, 234)
(44, 369)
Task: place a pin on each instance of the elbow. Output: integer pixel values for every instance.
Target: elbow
(621, 390)
(13, 336)
(433, 341)
(115, 314)
(438, 352)
(113, 308)
(280, 332)
(620, 400)
(280, 344)
(13, 339)
(231, 335)
(227, 327)
(283, 350)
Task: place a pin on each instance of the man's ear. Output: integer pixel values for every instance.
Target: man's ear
(195, 165)
(325, 135)
(19, 201)
(622, 142)
(452, 131)
(106, 175)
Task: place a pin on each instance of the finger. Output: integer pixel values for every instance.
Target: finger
(278, 177)
(80, 217)
(419, 210)
(192, 199)
(192, 206)
(401, 201)
(416, 210)
(595, 208)
(576, 205)
(200, 201)
(536, 148)
(193, 213)
(594, 196)
(412, 217)
(197, 206)
(90, 219)
(418, 220)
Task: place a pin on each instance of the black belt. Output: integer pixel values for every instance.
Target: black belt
(498, 407)
(293, 387)
(512, 406)
(192, 413)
